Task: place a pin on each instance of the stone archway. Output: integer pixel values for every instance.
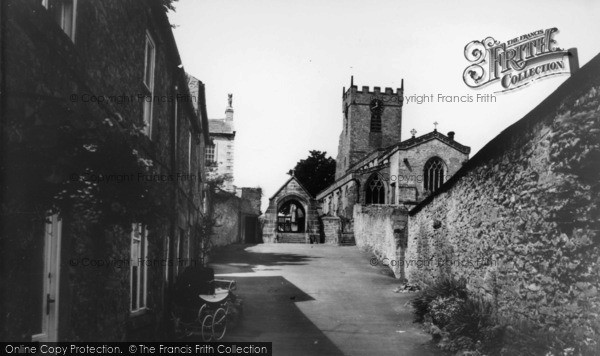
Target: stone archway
(291, 217)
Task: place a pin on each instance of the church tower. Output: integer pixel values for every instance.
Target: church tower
(372, 120)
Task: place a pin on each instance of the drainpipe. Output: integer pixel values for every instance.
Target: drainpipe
(168, 291)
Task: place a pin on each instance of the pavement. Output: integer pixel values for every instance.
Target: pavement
(319, 300)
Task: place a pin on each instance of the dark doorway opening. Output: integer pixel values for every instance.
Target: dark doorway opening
(250, 229)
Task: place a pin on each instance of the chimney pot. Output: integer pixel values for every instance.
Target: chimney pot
(451, 135)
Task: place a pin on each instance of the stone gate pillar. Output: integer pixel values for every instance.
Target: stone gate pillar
(332, 229)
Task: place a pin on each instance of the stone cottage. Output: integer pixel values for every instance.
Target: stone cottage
(103, 170)
(221, 149)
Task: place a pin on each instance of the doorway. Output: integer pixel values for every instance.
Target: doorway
(51, 281)
(250, 229)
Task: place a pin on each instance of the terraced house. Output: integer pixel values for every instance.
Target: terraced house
(103, 176)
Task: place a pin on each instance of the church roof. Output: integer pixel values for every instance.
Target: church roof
(219, 126)
(415, 141)
(288, 182)
(382, 154)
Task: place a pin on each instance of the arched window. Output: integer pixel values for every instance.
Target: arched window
(433, 174)
(291, 217)
(375, 190)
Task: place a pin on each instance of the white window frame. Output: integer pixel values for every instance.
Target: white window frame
(63, 16)
(148, 81)
(51, 281)
(214, 153)
(139, 249)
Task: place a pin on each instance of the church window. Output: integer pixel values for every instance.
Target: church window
(375, 190)
(433, 174)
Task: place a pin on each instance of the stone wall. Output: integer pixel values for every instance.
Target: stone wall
(253, 196)
(332, 228)
(378, 228)
(229, 211)
(226, 212)
(520, 220)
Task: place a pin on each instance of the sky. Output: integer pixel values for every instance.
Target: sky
(286, 63)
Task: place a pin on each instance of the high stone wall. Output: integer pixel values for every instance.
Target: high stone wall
(520, 221)
(381, 229)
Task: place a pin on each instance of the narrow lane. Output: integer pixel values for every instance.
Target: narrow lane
(319, 300)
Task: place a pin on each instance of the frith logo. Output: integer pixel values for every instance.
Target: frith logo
(515, 63)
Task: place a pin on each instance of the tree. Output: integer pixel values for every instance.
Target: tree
(316, 172)
(214, 178)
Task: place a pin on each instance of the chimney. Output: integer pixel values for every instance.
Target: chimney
(451, 135)
(573, 60)
(229, 110)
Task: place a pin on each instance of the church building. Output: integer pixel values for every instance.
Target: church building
(374, 165)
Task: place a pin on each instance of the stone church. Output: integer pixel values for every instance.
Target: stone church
(374, 166)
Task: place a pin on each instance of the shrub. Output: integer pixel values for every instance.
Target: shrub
(444, 288)
(460, 343)
(443, 310)
(473, 317)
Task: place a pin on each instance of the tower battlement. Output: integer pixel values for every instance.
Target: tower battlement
(372, 119)
(366, 90)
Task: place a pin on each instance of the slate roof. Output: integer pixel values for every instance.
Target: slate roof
(219, 126)
(415, 141)
(385, 152)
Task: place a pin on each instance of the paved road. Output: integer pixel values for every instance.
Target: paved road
(319, 300)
